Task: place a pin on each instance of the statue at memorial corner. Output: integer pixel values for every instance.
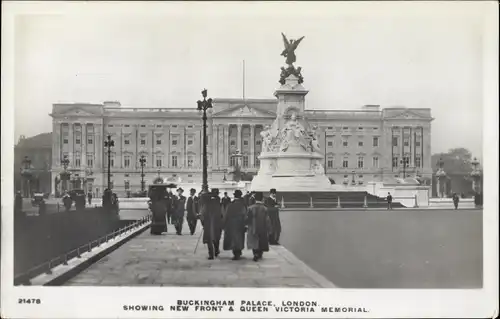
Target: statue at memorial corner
(315, 139)
(266, 139)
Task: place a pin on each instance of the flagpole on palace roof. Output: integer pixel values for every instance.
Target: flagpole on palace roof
(244, 81)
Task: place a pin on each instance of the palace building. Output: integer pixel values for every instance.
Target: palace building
(363, 145)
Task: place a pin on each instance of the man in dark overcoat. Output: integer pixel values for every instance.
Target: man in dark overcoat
(456, 199)
(225, 201)
(234, 225)
(274, 216)
(192, 210)
(258, 227)
(170, 206)
(179, 208)
(246, 198)
(211, 215)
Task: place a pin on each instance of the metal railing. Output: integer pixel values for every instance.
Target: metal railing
(338, 202)
(46, 267)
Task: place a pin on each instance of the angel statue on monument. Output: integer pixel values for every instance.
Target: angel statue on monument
(289, 51)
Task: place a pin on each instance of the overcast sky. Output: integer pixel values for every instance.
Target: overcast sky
(163, 55)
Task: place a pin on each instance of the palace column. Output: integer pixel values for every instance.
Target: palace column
(215, 146)
(83, 141)
(220, 145)
(252, 145)
(56, 144)
(226, 145)
(238, 137)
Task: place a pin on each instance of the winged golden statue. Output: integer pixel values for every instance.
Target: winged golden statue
(289, 51)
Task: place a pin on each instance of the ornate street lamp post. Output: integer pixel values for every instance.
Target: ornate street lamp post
(26, 174)
(109, 143)
(65, 175)
(404, 162)
(440, 176)
(204, 106)
(142, 160)
(476, 176)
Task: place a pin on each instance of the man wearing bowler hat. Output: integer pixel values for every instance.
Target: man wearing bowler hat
(234, 225)
(211, 215)
(192, 210)
(179, 208)
(258, 227)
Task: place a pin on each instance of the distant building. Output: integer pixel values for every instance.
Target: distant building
(366, 144)
(37, 149)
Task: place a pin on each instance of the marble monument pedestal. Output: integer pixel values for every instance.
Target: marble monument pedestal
(291, 171)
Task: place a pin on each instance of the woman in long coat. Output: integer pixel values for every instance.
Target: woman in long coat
(158, 210)
(274, 216)
(180, 207)
(234, 225)
(258, 227)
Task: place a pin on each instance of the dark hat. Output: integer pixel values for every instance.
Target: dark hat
(180, 189)
(237, 193)
(192, 190)
(215, 191)
(273, 191)
(259, 196)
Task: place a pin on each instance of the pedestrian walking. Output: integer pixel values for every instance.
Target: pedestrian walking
(89, 197)
(258, 227)
(211, 217)
(170, 205)
(389, 201)
(251, 199)
(158, 210)
(235, 225)
(272, 206)
(192, 210)
(456, 199)
(246, 198)
(179, 208)
(225, 201)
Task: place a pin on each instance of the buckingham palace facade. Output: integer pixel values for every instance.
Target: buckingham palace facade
(366, 144)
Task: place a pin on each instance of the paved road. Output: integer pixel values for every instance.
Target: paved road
(389, 249)
(170, 260)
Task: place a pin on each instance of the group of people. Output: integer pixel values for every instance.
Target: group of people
(250, 214)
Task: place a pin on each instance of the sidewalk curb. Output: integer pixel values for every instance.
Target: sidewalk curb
(308, 271)
(63, 273)
(375, 209)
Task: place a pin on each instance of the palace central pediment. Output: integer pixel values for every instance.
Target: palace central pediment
(407, 115)
(244, 111)
(76, 110)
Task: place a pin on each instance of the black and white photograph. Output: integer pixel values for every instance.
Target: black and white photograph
(261, 159)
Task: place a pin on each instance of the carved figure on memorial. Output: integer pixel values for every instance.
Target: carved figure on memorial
(314, 139)
(293, 132)
(266, 139)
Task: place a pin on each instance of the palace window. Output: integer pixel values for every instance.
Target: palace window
(407, 142)
(330, 127)
(77, 160)
(330, 143)
(77, 141)
(345, 128)
(112, 160)
(143, 125)
(126, 125)
(65, 139)
(417, 161)
(417, 141)
(159, 125)
(361, 161)
(126, 161)
(190, 161)
(174, 160)
(395, 162)
(233, 142)
(360, 143)
(90, 160)
(375, 142)
(329, 163)
(245, 161)
(127, 185)
(190, 142)
(174, 142)
(345, 163)
(174, 126)
(143, 142)
(159, 160)
(90, 141)
(345, 143)
(245, 143)
(360, 128)
(158, 142)
(375, 162)
(126, 142)
(190, 126)
(394, 141)
(110, 125)
(258, 142)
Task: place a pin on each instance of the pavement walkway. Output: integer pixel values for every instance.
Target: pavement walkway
(170, 260)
